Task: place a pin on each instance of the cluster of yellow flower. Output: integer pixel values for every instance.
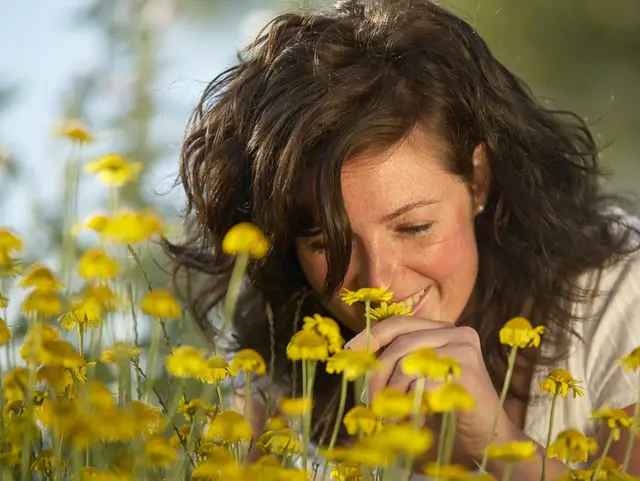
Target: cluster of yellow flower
(59, 422)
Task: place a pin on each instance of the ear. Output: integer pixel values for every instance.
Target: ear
(481, 179)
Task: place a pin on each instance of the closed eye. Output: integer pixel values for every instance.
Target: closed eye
(415, 229)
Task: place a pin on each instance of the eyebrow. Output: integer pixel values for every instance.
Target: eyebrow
(404, 209)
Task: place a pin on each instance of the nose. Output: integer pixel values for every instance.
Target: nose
(374, 264)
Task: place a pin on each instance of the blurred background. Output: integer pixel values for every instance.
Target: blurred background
(135, 68)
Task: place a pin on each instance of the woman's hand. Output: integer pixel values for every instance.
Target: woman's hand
(396, 337)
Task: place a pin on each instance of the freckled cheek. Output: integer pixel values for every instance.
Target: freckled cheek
(452, 256)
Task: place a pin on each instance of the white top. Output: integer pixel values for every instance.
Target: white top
(611, 330)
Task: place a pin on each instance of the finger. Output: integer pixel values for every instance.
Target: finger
(386, 331)
(402, 346)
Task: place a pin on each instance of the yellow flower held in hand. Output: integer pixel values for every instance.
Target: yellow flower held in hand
(426, 362)
(360, 419)
(392, 403)
(114, 170)
(229, 427)
(631, 361)
(95, 263)
(186, 362)
(449, 397)
(245, 238)
(352, 364)
(389, 310)
(371, 294)
(572, 446)
(518, 332)
(296, 406)
(282, 442)
(327, 328)
(307, 346)
(559, 381)
(5, 333)
(216, 370)
(248, 360)
(512, 452)
(161, 304)
(615, 418)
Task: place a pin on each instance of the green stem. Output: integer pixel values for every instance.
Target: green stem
(28, 400)
(603, 456)
(339, 415)
(503, 396)
(220, 398)
(235, 283)
(442, 436)
(247, 397)
(305, 431)
(450, 438)
(507, 472)
(367, 318)
(543, 476)
(415, 423)
(80, 340)
(153, 350)
(634, 429)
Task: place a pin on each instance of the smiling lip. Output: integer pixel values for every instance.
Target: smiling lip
(416, 300)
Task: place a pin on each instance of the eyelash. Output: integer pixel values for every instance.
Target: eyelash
(414, 230)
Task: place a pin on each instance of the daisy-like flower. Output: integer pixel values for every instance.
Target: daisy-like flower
(249, 361)
(45, 464)
(5, 333)
(245, 238)
(83, 318)
(392, 403)
(631, 361)
(120, 352)
(148, 418)
(15, 383)
(40, 277)
(385, 310)
(607, 470)
(10, 245)
(186, 362)
(114, 170)
(296, 406)
(76, 130)
(60, 353)
(98, 396)
(276, 422)
(615, 418)
(518, 332)
(307, 346)
(572, 446)
(512, 452)
(362, 452)
(327, 328)
(99, 294)
(216, 369)
(229, 427)
(577, 475)
(449, 397)
(371, 294)
(282, 442)
(360, 419)
(160, 303)
(346, 472)
(194, 407)
(131, 227)
(95, 263)
(403, 438)
(445, 472)
(352, 364)
(158, 453)
(426, 362)
(559, 381)
(43, 303)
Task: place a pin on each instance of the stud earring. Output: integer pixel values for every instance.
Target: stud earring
(480, 209)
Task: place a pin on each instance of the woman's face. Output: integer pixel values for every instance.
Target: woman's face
(412, 228)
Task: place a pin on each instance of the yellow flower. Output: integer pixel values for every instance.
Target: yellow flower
(83, 318)
(572, 446)
(307, 346)
(360, 419)
(245, 238)
(114, 170)
(296, 406)
(362, 452)
(631, 361)
(229, 427)
(372, 294)
(38, 335)
(392, 403)
(148, 419)
(186, 362)
(282, 442)
(45, 464)
(216, 369)
(44, 303)
(158, 453)
(60, 353)
(40, 277)
(100, 294)
(94, 222)
(120, 352)
(160, 303)
(15, 382)
(403, 438)
(327, 328)
(449, 397)
(97, 396)
(609, 469)
(277, 422)
(615, 418)
(5, 333)
(196, 407)
(56, 377)
(352, 364)
(389, 310)
(426, 362)
(249, 361)
(4, 302)
(130, 227)
(577, 475)
(77, 130)
(346, 472)
(95, 263)
(446, 472)
(512, 452)
(518, 332)
(10, 244)
(92, 474)
(559, 381)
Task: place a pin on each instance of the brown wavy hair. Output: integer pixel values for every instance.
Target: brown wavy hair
(267, 141)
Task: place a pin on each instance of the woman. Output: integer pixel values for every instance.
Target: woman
(380, 143)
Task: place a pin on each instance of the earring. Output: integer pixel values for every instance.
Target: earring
(480, 209)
